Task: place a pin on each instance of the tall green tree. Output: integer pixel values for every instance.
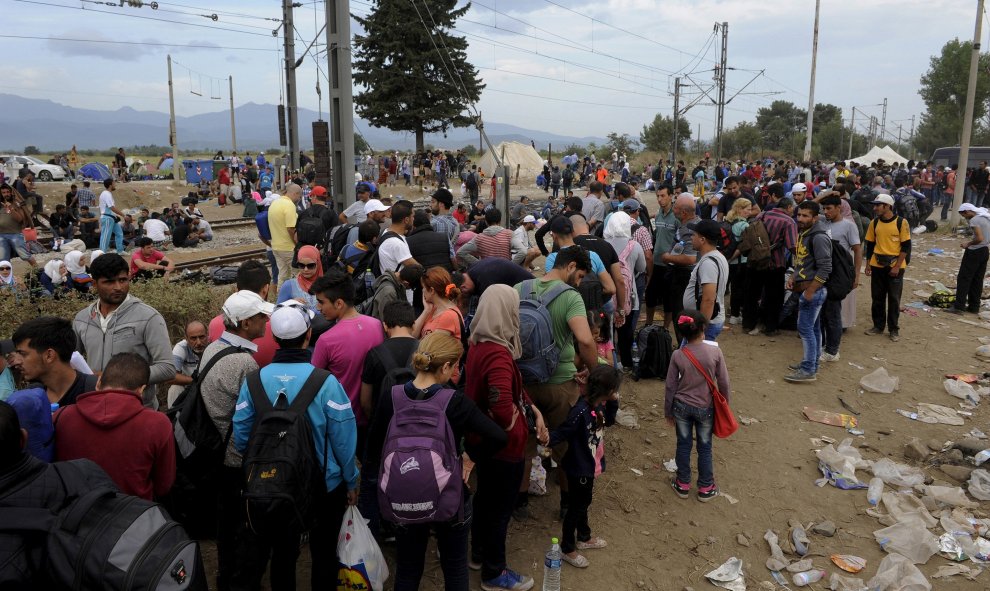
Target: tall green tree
(621, 143)
(659, 134)
(943, 88)
(742, 140)
(408, 84)
(780, 122)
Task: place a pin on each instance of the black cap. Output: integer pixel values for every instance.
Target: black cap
(363, 188)
(6, 346)
(561, 225)
(443, 196)
(707, 229)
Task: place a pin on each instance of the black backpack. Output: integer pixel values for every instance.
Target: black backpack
(309, 227)
(282, 477)
(397, 374)
(224, 275)
(655, 349)
(592, 292)
(375, 264)
(471, 182)
(338, 242)
(101, 539)
(567, 175)
(843, 275)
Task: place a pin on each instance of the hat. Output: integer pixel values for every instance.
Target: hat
(244, 304)
(561, 225)
(947, 169)
(630, 205)
(707, 229)
(967, 207)
(291, 319)
(443, 196)
(529, 220)
(884, 199)
(799, 188)
(6, 346)
(318, 191)
(363, 188)
(821, 184)
(373, 205)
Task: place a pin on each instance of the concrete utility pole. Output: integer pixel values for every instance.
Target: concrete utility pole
(341, 102)
(292, 108)
(967, 130)
(178, 172)
(811, 92)
(677, 116)
(852, 134)
(721, 75)
(233, 131)
(883, 123)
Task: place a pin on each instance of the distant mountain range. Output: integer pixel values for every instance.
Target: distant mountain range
(53, 126)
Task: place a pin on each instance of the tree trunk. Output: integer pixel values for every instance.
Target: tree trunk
(419, 140)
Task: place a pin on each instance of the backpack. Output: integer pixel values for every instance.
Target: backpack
(728, 243)
(755, 245)
(540, 354)
(420, 477)
(841, 278)
(224, 275)
(592, 292)
(627, 276)
(567, 175)
(261, 221)
(900, 224)
(282, 475)
(656, 348)
(941, 298)
(555, 177)
(471, 182)
(309, 227)
(361, 265)
(103, 539)
(338, 242)
(907, 206)
(199, 446)
(397, 374)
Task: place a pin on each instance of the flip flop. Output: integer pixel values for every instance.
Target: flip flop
(592, 544)
(578, 561)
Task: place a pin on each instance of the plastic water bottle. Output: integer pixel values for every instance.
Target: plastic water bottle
(369, 282)
(635, 360)
(551, 568)
(875, 491)
(808, 577)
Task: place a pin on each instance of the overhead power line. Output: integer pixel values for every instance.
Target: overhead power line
(148, 43)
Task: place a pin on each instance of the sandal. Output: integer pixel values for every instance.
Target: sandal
(578, 561)
(592, 544)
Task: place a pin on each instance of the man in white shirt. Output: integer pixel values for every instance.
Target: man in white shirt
(354, 214)
(110, 219)
(156, 229)
(523, 249)
(205, 230)
(393, 251)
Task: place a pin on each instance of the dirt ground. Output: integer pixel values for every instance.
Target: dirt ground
(660, 542)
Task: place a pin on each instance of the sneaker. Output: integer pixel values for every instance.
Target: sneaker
(826, 356)
(755, 332)
(707, 493)
(735, 320)
(509, 580)
(474, 564)
(895, 336)
(795, 366)
(873, 331)
(682, 490)
(800, 376)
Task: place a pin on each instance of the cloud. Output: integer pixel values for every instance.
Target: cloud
(96, 46)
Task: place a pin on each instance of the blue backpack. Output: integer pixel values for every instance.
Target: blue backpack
(540, 354)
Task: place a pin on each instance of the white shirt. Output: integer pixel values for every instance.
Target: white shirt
(204, 226)
(106, 202)
(392, 253)
(520, 241)
(355, 213)
(156, 230)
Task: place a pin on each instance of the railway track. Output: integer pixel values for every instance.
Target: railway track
(222, 259)
(215, 225)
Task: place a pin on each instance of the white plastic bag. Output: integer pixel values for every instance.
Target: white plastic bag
(362, 565)
(896, 573)
(896, 474)
(909, 539)
(879, 381)
(962, 390)
(979, 484)
(537, 478)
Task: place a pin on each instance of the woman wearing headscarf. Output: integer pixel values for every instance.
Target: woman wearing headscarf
(77, 270)
(92, 257)
(495, 385)
(618, 233)
(297, 288)
(54, 276)
(8, 280)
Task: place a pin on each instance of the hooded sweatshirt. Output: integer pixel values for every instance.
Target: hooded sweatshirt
(134, 327)
(387, 289)
(133, 444)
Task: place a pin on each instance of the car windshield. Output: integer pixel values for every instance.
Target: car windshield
(33, 160)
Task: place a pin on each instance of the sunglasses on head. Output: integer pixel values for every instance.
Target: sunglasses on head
(308, 265)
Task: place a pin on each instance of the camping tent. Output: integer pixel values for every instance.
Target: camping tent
(96, 171)
(166, 165)
(876, 153)
(523, 156)
(138, 170)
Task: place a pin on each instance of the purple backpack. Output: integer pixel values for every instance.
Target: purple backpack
(420, 478)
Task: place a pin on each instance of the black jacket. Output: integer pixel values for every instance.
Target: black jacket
(429, 248)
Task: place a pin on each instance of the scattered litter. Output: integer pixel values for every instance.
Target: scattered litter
(911, 415)
(838, 582)
(856, 432)
(977, 434)
(776, 562)
(636, 471)
(952, 496)
(896, 573)
(732, 500)
(897, 474)
(830, 418)
(879, 381)
(800, 566)
(627, 419)
(670, 465)
(781, 580)
(949, 547)
(848, 562)
(946, 571)
(979, 484)
(729, 575)
(969, 378)
(856, 365)
(936, 413)
(981, 457)
(839, 465)
(919, 306)
(983, 351)
(799, 539)
(747, 420)
(909, 539)
(961, 390)
(537, 478)
(847, 406)
(936, 251)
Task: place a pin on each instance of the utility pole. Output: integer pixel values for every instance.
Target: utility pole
(720, 80)
(233, 131)
(883, 124)
(967, 130)
(178, 172)
(911, 137)
(677, 116)
(852, 134)
(811, 92)
(341, 101)
(900, 128)
(481, 140)
(292, 108)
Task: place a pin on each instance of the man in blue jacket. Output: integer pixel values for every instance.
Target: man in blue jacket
(332, 420)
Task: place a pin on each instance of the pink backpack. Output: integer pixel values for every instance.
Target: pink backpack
(627, 277)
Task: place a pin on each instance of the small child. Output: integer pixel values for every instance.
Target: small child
(601, 330)
(689, 405)
(582, 431)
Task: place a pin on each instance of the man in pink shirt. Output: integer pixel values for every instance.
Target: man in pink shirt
(342, 349)
(251, 276)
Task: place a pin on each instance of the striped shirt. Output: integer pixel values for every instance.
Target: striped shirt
(782, 230)
(642, 236)
(85, 197)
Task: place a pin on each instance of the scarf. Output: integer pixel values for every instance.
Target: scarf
(73, 262)
(311, 253)
(93, 255)
(497, 319)
(619, 225)
(53, 269)
(10, 278)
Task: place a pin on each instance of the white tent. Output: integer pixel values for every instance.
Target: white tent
(876, 153)
(521, 157)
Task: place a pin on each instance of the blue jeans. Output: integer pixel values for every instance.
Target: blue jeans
(701, 420)
(108, 227)
(11, 244)
(712, 331)
(809, 327)
(271, 261)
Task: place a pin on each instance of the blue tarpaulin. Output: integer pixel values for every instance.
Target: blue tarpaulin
(95, 171)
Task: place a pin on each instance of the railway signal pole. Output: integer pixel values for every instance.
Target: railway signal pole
(341, 101)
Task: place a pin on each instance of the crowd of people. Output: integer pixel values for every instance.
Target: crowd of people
(393, 324)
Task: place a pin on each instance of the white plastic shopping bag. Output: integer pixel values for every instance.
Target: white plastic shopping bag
(362, 565)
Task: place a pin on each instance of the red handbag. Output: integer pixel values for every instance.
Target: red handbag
(725, 422)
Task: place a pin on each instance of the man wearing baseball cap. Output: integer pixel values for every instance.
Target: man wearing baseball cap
(705, 291)
(798, 192)
(972, 269)
(245, 315)
(334, 439)
(523, 248)
(888, 248)
(354, 214)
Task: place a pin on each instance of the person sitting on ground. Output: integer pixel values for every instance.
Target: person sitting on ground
(185, 235)
(493, 241)
(524, 250)
(148, 262)
(8, 280)
(157, 230)
(89, 227)
(110, 426)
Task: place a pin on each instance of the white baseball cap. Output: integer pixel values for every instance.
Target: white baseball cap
(373, 205)
(967, 207)
(291, 320)
(245, 304)
(529, 220)
(883, 199)
(799, 188)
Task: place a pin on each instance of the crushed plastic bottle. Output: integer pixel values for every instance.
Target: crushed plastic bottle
(808, 577)
(981, 457)
(551, 567)
(875, 491)
(800, 539)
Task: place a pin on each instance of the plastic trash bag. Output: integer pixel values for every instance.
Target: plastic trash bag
(362, 565)
(979, 484)
(840, 583)
(729, 576)
(879, 381)
(953, 496)
(962, 390)
(896, 573)
(537, 478)
(905, 508)
(909, 539)
(627, 419)
(896, 474)
(983, 351)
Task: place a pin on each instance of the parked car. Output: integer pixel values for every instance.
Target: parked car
(42, 171)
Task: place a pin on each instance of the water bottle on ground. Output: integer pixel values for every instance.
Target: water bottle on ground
(551, 568)
(875, 491)
(369, 282)
(807, 578)
(635, 360)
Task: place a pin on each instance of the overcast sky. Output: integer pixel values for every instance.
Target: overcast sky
(567, 66)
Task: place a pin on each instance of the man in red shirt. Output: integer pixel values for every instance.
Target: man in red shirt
(224, 179)
(148, 262)
(111, 427)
